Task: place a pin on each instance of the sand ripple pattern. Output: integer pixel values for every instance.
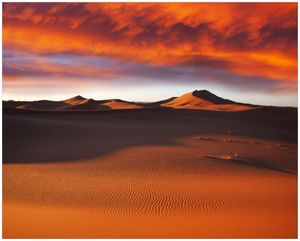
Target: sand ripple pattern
(132, 200)
(103, 196)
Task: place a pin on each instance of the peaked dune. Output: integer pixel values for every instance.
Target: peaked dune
(85, 104)
(203, 99)
(75, 100)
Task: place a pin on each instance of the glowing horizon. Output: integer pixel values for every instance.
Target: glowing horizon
(150, 51)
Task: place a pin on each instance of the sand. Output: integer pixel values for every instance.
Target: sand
(150, 173)
(76, 103)
(117, 104)
(196, 100)
(205, 100)
(194, 166)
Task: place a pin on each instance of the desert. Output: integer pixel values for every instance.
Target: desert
(163, 120)
(191, 166)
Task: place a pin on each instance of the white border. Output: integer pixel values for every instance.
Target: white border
(216, 1)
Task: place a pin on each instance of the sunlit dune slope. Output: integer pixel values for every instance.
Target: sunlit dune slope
(204, 99)
(120, 104)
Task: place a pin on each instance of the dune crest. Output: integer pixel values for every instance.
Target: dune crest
(75, 100)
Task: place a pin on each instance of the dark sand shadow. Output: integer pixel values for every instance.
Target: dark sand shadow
(43, 136)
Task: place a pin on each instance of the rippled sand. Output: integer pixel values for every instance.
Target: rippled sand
(166, 190)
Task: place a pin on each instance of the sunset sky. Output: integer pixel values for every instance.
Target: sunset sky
(150, 51)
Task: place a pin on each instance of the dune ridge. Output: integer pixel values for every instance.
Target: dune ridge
(198, 100)
(77, 103)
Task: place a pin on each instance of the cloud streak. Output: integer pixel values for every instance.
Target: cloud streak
(241, 44)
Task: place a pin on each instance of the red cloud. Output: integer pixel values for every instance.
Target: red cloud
(253, 39)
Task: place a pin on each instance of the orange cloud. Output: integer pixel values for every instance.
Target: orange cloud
(251, 39)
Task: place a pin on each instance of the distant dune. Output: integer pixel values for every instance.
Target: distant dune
(199, 100)
(76, 103)
(121, 104)
(76, 100)
(205, 100)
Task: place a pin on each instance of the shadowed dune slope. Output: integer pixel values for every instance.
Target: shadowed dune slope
(69, 132)
(43, 105)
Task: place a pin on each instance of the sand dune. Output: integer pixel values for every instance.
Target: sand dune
(203, 99)
(84, 104)
(75, 100)
(80, 103)
(121, 104)
(77, 103)
(149, 174)
(42, 105)
(109, 193)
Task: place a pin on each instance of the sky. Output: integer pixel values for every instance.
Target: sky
(150, 51)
